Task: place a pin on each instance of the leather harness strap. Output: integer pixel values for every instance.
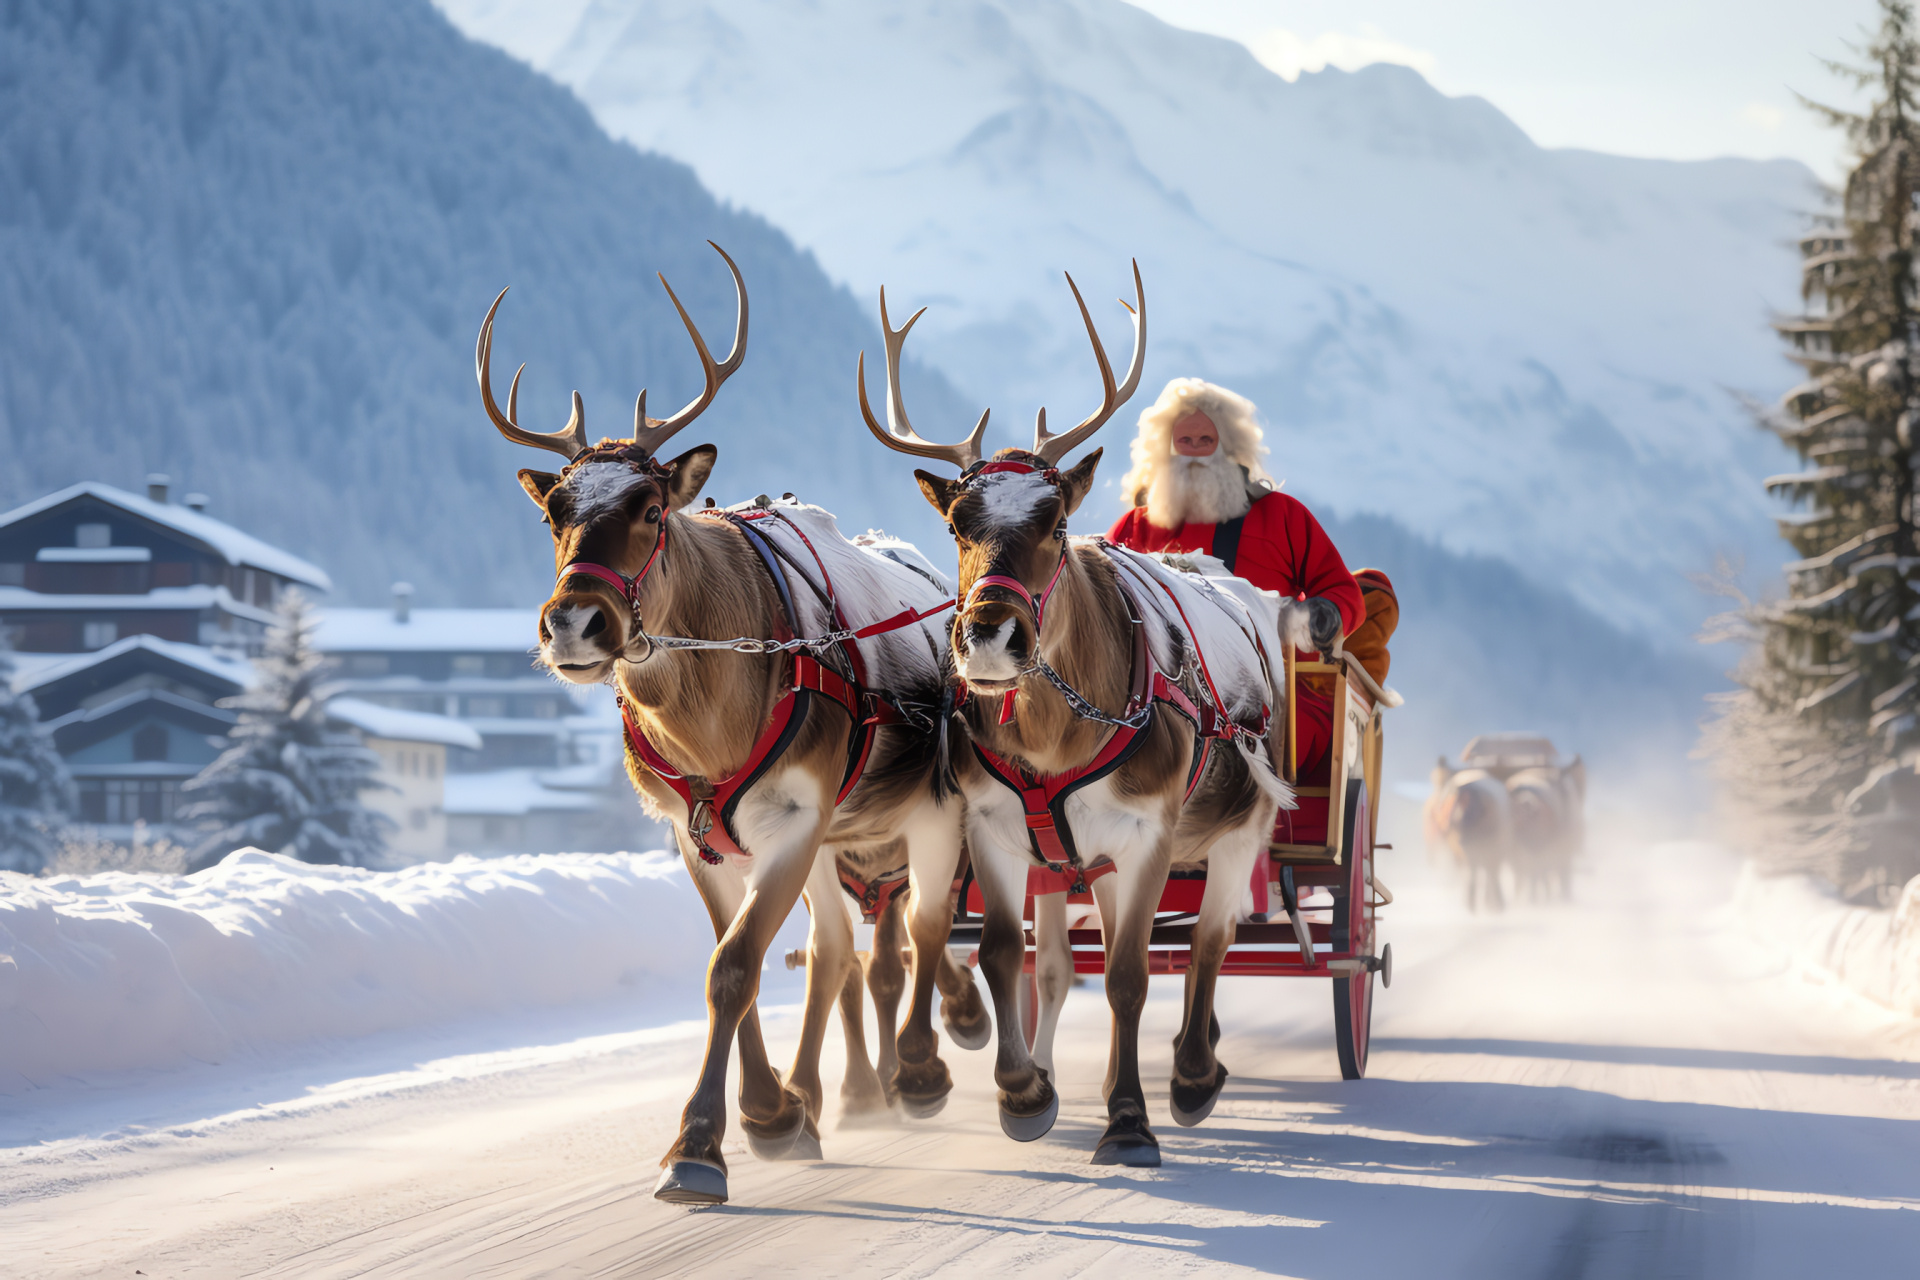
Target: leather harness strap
(711, 802)
(1043, 797)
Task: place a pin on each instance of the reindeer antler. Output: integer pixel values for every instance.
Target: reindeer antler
(650, 433)
(903, 438)
(568, 442)
(1053, 448)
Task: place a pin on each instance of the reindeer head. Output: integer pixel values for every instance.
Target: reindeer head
(611, 506)
(1008, 516)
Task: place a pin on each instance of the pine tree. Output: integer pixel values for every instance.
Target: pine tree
(288, 782)
(36, 793)
(1828, 729)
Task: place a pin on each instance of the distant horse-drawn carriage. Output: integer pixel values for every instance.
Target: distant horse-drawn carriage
(1512, 804)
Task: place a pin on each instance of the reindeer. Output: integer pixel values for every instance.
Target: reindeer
(1117, 712)
(759, 722)
(1469, 818)
(1548, 827)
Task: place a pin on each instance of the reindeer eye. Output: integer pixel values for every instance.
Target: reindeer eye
(653, 514)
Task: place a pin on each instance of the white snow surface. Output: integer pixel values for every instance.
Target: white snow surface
(1875, 952)
(121, 972)
(1626, 1085)
(1519, 351)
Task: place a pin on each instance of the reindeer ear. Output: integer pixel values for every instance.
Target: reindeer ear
(538, 484)
(940, 491)
(690, 471)
(1075, 483)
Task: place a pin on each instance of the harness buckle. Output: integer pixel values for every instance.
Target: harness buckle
(699, 823)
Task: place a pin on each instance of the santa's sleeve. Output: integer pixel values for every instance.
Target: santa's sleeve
(1284, 549)
(1125, 529)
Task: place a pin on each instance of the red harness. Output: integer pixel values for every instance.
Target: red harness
(711, 801)
(1043, 797)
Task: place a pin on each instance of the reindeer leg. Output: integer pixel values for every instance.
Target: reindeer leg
(1053, 972)
(1128, 1139)
(829, 958)
(933, 854)
(1199, 1076)
(1028, 1103)
(962, 1012)
(887, 980)
(694, 1171)
(863, 1099)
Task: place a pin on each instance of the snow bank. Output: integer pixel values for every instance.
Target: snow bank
(1875, 952)
(118, 972)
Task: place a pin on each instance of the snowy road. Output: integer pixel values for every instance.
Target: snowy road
(1627, 1087)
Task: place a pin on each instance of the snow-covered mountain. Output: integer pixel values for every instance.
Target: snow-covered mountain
(1524, 352)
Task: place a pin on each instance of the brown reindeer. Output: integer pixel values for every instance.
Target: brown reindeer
(758, 722)
(1117, 712)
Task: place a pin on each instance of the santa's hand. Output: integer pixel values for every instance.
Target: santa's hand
(1310, 625)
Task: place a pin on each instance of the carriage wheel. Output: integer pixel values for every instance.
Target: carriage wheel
(1353, 932)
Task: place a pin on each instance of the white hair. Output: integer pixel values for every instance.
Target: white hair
(1232, 415)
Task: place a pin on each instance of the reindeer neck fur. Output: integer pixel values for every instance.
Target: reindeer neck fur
(1088, 639)
(703, 710)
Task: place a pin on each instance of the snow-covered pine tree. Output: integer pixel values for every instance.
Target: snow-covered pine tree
(288, 783)
(36, 793)
(1825, 738)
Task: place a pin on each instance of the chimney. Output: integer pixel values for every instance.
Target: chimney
(402, 601)
(157, 483)
(196, 502)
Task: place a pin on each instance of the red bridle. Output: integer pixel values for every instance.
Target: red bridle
(629, 588)
(1036, 605)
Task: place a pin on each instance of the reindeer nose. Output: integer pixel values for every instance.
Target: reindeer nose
(594, 625)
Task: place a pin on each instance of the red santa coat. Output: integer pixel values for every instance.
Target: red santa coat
(1282, 548)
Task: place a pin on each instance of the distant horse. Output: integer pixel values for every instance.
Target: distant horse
(1548, 827)
(1470, 816)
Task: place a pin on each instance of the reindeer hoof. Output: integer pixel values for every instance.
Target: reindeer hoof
(1028, 1128)
(923, 1108)
(1192, 1103)
(801, 1144)
(1129, 1142)
(691, 1182)
(968, 1037)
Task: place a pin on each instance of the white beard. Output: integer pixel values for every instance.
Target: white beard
(1206, 490)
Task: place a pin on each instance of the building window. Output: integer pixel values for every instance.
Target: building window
(487, 707)
(368, 664)
(469, 664)
(13, 574)
(121, 801)
(93, 536)
(150, 742)
(98, 635)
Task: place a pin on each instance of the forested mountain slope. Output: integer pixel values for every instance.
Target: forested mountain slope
(251, 244)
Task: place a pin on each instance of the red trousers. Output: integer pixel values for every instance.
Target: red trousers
(1313, 729)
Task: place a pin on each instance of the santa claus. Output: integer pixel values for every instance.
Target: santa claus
(1197, 486)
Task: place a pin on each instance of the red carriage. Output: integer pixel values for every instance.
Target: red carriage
(1316, 895)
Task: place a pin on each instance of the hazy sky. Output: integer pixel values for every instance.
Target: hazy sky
(1685, 79)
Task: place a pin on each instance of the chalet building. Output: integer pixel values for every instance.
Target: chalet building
(412, 747)
(134, 721)
(90, 565)
(548, 771)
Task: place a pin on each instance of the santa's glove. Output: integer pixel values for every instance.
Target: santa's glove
(1310, 625)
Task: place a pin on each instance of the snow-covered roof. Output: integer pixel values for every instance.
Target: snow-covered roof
(449, 630)
(510, 793)
(224, 665)
(234, 546)
(403, 726)
(198, 596)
